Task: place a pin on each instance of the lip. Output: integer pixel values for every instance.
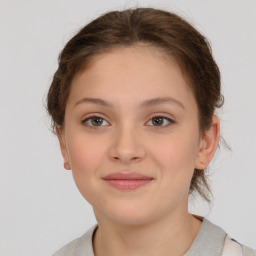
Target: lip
(126, 176)
(127, 181)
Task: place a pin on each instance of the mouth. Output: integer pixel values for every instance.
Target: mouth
(127, 181)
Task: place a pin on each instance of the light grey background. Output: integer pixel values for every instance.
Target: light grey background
(41, 209)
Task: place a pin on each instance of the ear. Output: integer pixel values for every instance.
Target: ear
(63, 148)
(208, 144)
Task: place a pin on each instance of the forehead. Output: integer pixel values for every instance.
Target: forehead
(136, 72)
(142, 51)
(143, 58)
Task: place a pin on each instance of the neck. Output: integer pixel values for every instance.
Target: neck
(169, 236)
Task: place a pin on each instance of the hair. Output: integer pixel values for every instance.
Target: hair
(164, 30)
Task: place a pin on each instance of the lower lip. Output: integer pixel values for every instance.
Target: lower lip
(127, 184)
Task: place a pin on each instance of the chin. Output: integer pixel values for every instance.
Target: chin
(129, 215)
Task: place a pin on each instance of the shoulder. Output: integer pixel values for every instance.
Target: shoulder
(212, 240)
(247, 251)
(79, 246)
(234, 248)
(68, 249)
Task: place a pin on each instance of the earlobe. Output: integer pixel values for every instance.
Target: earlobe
(208, 144)
(63, 148)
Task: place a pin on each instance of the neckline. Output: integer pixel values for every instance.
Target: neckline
(209, 240)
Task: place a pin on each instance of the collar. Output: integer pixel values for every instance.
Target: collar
(209, 241)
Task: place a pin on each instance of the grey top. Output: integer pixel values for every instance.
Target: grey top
(209, 241)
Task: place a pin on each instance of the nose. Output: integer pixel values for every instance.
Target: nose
(127, 145)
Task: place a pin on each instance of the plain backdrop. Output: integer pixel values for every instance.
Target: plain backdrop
(40, 206)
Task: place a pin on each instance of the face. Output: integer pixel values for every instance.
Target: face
(145, 122)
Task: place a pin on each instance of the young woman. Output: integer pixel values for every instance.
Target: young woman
(133, 105)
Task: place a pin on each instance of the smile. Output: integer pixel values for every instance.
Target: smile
(127, 184)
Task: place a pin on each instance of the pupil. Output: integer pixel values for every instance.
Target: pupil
(157, 120)
(97, 121)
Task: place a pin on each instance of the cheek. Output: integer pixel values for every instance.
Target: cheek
(176, 160)
(178, 151)
(86, 156)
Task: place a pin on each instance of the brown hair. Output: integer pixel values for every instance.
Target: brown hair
(161, 29)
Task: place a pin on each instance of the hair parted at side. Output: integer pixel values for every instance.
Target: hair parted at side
(164, 30)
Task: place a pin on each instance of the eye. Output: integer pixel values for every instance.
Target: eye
(96, 121)
(160, 120)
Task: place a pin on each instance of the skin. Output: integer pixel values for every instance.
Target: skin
(154, 219)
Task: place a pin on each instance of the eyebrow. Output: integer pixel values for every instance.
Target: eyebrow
(144, 104)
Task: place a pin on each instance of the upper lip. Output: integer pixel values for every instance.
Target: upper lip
(126, 176)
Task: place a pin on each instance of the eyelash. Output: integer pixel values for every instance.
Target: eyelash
(154, 127)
